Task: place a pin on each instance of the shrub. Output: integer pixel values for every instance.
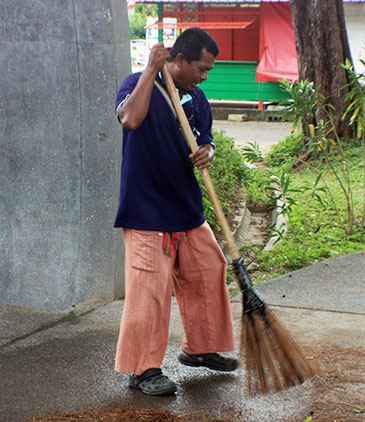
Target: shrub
(228, 171)
(290, 148)
(258, 189)
(307, 104)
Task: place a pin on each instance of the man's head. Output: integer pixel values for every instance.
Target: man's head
(191, 58)
(191, 43)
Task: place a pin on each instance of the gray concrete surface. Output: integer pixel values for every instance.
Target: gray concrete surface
(265, 134)
(63, 361)
(61, 63)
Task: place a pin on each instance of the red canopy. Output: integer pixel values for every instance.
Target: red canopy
(279, 59)
(204, 25)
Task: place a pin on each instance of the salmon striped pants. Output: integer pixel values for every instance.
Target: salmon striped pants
(197, 273)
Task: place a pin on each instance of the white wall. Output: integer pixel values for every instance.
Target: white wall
(355, 23)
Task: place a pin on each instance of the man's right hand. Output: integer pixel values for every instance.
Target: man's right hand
(134, 110)
(158, 57)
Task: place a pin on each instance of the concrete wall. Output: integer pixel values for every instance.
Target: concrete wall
(355, 24)
(61, 63)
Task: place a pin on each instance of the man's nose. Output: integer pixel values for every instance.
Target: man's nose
(205, 75)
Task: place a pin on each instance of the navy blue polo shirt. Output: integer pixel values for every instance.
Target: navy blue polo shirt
(159, 190)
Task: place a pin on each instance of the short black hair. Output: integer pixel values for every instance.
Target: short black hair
(191, 43)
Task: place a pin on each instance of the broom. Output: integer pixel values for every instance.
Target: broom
(274, 360)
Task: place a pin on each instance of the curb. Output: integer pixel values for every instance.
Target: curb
(242, 220)
(279, 221)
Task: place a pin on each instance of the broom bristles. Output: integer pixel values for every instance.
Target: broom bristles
(274, 360)
(257, 363)
(291, 348)
(268, 354)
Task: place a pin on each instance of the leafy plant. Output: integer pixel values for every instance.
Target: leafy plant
(277, 233)
(228, 171)
(258, 183)
(308, 104)
(302, 101)
(251, 153)
(284, 191)
(258, 188)
(138, 19)
(291, 147)
(313, 232)
(357, 109)
(356, 97)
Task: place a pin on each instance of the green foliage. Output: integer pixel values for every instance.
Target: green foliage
(290, 148)
(138, 19)
(302, 102)
(137, 25)
(356, 96)
(251, 153)
(258, 188)
(228, 171)
(257, 183)
(306, 104)
(284, 191)
(313, 232)
(323, 199)
(232, 179)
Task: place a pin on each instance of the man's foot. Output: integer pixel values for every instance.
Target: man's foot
(152, 382)
(209, 360)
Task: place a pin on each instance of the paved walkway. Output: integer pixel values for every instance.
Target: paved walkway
(63, 361)
(265, 134)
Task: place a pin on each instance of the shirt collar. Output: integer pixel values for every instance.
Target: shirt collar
(185, 98)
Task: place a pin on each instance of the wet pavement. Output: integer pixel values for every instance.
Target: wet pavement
(62, 361)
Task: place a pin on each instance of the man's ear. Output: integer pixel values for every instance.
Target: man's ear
(179, 59)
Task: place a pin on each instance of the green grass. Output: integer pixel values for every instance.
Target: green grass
(291, 147)
(314, 230)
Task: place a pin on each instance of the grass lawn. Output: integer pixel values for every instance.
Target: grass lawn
(318, 224)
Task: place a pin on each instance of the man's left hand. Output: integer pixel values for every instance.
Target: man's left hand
(203, 156)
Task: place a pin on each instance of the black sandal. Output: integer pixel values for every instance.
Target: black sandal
(152, 382)
(209, 360)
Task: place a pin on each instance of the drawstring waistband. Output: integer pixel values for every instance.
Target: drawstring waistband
(171, 241)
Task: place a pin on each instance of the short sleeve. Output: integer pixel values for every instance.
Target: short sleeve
(204, 119)
(126, 88)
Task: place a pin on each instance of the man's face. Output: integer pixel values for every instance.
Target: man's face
(193, 73)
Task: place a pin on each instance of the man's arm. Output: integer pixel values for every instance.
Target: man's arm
(134, 110)
(203, 124)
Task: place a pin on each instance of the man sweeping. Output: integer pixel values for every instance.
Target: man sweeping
(167, 240)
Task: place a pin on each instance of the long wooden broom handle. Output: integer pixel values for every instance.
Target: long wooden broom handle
(190, 139)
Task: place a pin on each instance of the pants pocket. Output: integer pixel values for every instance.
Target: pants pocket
(146, 251)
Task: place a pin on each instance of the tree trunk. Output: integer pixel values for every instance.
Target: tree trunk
(322, 46)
